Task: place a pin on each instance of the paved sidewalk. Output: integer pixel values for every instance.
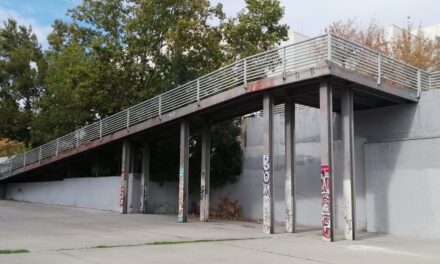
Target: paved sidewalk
(55, 234)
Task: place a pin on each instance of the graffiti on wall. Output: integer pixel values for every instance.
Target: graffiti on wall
(202, 191)
(180, 214)
(122, 190)
(325, 202)
(266, 195)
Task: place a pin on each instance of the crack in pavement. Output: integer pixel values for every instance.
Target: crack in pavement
(277, 253)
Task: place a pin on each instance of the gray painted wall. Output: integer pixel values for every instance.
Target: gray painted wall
(99, 193)
(402, 167)
(248, 190)
(397, 174)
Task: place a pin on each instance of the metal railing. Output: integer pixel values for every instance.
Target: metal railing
(434, 80)
(283, 60)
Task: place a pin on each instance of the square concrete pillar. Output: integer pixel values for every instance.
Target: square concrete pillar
(145, 177)
(134, 193)
(326, 108)
(183, 171)
(289, 127)
(125, 170)
(205, 173)
(349, 163)
(268, 208)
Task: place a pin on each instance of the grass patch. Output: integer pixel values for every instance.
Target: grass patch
(103, 246)
(168, 242)
(13, 251)
(160, 243)
(163, 243)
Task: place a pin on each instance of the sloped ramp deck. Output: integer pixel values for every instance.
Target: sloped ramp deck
(237, 89)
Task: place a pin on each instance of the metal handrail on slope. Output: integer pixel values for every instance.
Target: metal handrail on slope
(306, 54)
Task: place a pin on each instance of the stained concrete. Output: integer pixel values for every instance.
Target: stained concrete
(248, 190)
(56, 234)
(88, 192)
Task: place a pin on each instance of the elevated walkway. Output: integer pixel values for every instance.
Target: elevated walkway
(316, 72)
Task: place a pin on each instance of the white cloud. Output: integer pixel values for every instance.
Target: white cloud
(40, 31)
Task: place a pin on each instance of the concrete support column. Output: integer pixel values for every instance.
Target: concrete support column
(349, 165)
(183, 171)
(125, 170)
(326, 108)
(2, 191)
(268, 221)
(145, 177)
(289, 127)
(205, 173)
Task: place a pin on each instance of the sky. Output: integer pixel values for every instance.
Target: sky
(309, 17)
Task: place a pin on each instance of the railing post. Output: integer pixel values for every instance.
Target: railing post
(160, 107)
(245, 72)
(39, 155)
(128, 118)
(430, 81)
(24, 160)
(77, 138)
(379, 68)
(10, 167)
(283, 61)
(100, 129)
(419, 83)
(329, 47)
(198, 92)
(57, 148)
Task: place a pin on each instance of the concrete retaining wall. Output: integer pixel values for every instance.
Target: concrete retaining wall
(248, 190)
(99, 193)
(397, 169)
(402, 167)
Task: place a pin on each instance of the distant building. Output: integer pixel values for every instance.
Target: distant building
(294, 37)
(393, 32)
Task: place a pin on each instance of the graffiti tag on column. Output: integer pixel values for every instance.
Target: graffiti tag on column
(122, 190)
(289, 213)
(181, 194)
(202, 192)
(266, 194)
(325, 201)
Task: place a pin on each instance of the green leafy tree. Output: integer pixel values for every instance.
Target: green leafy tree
(255, 29)
(117, 53)
(22, 69)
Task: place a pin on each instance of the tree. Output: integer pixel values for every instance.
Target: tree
(10, 147)
(256, 28)
(22, 69)
(414, 49)
(417, 50)
(119, 52)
